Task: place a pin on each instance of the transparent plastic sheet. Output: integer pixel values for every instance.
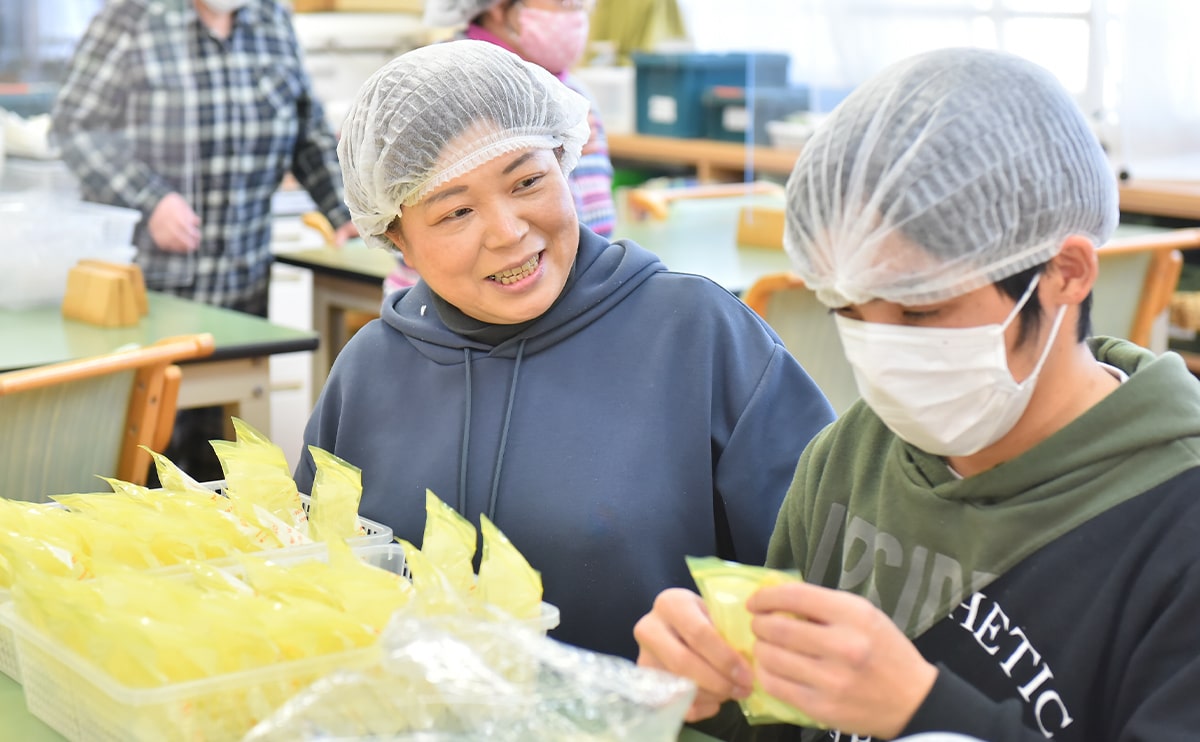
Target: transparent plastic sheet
(447, 678)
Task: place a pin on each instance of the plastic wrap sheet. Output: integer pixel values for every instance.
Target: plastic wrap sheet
(460, 678)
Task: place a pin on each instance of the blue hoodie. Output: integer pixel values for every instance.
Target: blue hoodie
(646, 416)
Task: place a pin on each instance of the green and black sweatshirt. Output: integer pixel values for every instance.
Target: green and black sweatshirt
(1058, 593)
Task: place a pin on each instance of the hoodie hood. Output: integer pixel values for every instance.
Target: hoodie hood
(1141, 435)
(606, 274)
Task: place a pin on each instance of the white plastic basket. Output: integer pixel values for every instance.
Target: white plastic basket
(82, 702)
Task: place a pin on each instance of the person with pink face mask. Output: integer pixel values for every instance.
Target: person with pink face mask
(552, 34)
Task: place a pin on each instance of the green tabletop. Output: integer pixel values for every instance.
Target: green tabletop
(15, 721)
(40, 335)
(698, 237)
(354, 260)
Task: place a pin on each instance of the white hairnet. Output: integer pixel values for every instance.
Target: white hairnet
(947, 172)
(454, 12)
(437, 112)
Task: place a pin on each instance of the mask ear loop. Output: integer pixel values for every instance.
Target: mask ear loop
(1021, 302)
(1054, 327)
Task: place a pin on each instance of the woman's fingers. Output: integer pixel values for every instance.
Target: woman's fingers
(678, 636)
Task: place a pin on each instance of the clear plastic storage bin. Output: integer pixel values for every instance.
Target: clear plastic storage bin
(82, 702)
(374, 534)
(43, 235)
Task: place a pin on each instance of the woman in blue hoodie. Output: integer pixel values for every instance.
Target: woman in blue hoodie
(609, 415)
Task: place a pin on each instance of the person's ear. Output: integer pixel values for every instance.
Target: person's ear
(1069, 277)
(495, 18)
(395, 235)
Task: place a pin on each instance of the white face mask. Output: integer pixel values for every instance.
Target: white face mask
(947, 391)
(224, 6)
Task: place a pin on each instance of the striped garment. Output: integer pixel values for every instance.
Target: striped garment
(154, 103)
(591, 180)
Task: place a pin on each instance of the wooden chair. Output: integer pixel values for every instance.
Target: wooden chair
(65, 423)
(1138, 276)
(808, 331)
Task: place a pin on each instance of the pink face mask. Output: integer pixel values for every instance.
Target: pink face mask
(553, 39)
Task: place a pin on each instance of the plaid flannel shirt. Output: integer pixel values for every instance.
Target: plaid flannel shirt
(155, 104)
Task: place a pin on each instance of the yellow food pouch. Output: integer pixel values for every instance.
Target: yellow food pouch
(279, 582)
(23, 555)
(60, 606)
(336, 491)
(259, 483)
(304, 628)
(176, 481)
(34, 536)
(167, 530)
(506, 579)
(432, 593)
(449, 543)
(371, 593)
(725, 587)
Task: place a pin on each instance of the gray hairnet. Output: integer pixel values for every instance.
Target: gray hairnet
(948, 171)
(440, 111)
(454, 12)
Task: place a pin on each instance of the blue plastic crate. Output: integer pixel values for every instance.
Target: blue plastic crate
(737, 114)
(671, 87)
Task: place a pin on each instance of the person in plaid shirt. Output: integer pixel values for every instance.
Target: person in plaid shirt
(192, 112)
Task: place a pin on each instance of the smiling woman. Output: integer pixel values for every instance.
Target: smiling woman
(608, 415)
(497, 242)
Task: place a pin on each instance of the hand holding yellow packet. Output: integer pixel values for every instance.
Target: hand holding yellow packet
(725, 587)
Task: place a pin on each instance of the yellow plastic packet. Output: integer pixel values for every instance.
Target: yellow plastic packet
(259, 483)
(725, 587)
(433, 594)
(33, 537)
(279, 582)
(169, 529)
(58, 606)
(449, 543)
(336, 492)
(303, 628)
(371, 593)
(176, 481)
(97, 618)
(506, 579)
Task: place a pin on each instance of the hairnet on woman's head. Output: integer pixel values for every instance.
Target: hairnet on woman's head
(454, 12)
(946, 172)
(440, 111)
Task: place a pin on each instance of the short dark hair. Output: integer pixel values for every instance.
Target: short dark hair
(1030, 317)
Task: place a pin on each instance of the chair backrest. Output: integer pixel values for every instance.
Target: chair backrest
(63, 424)
(1138, 276)
(807, 329)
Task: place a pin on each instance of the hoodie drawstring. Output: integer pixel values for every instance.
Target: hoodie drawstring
(512, 394)
(466, 440)
(466, 437)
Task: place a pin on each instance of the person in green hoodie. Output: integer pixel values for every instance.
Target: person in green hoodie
(1002, 538)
